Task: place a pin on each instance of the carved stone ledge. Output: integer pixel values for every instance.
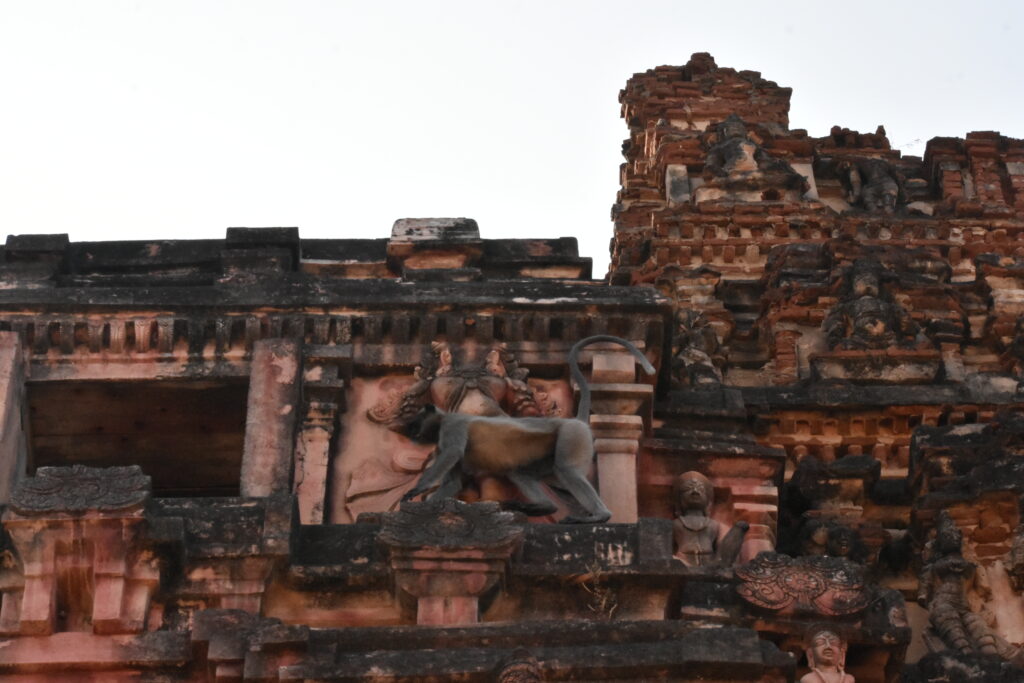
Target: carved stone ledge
(891, 366)
(240, 646)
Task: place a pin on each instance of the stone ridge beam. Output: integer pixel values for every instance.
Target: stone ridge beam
(274, 388)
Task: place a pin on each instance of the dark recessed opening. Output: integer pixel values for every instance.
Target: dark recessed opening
(187, 435)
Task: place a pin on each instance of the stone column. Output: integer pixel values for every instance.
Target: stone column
(312, 459)
(271, 416)
(12, 397)
(325, 374)
(619, 407)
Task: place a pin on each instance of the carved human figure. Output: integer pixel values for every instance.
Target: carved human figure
(865, 317)
(873, 184)
(829, 539)
(497, 386)
(695, 534)
(735, 163)
(697, 354)
(945, 580)
(826, 657)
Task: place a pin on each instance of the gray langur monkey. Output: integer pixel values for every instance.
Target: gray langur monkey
(526, 450)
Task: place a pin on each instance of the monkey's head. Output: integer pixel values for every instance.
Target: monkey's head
(424, 426)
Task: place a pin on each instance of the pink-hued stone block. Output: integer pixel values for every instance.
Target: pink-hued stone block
(616, 475)
(312, 461)
(270, 421)
(613, 368)
(447, 610)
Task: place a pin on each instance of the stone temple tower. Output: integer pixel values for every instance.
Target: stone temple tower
(782, 440)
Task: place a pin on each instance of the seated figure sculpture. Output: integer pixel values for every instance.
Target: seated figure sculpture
(866, 318)
(739, 169)
(826, 657)
(695, 535)
(872, 184)
(697, 355)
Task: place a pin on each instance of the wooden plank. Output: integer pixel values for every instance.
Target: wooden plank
(130, 407)
(174, 461)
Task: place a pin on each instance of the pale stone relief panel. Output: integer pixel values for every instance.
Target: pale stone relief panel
(376, 464)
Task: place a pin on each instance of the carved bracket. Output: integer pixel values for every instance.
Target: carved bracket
(78, 526)
(446, 554)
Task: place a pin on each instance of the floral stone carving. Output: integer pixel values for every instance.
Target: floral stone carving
(80, 489)
(824, 586)
(521, 667)
(445, 554)
(451, 524)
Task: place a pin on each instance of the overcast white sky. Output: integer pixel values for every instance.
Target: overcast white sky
(137, 120)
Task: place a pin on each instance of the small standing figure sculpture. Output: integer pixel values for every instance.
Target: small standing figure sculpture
(694, 533)
(826, 657)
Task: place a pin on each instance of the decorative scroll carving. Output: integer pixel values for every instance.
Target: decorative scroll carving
(86, 522)
(521, 667)
(445, 554)
(448, 523)
(80, 488)
(825, 586)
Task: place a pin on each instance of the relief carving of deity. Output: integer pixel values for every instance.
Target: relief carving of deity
(378, 464)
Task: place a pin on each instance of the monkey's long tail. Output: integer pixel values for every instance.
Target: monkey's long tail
(577, 375)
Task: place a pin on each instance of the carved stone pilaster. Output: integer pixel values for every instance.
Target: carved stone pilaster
(326, 371)
(621, 409)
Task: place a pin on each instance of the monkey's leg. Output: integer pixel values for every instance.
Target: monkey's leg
(574, 452)
(450, 487)
(451, 448)
(537, 503)
(583, 492)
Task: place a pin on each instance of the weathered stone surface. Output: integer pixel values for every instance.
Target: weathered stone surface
(80, 489)
(828, 587)
(838, 339)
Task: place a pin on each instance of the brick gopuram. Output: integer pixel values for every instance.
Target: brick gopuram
(212, 452)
